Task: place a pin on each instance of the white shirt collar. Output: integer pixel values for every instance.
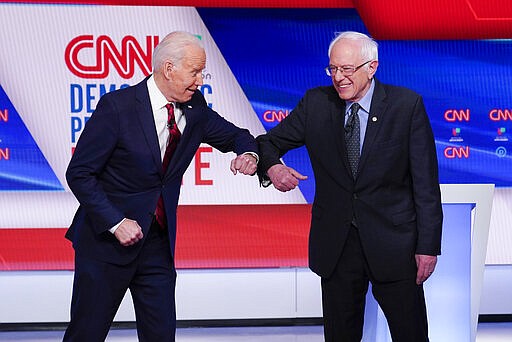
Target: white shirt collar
(158, 102)
(157, 99)
(365, 102)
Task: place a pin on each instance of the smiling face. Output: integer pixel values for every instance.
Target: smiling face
(347, 52)
(183, 78)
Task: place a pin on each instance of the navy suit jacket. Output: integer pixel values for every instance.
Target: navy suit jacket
(395, 199)
(116, 169)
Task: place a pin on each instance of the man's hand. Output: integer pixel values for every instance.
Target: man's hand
(284, 178)
(129, 232)
(426, 265)
(245, 164)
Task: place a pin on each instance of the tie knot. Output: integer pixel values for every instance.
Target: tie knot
(170, 108)
(354, 108)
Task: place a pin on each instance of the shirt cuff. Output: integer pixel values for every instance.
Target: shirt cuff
(255, 155)
(113, 229)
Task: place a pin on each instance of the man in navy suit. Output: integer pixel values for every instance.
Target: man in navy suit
(377, 213)
(116, 173)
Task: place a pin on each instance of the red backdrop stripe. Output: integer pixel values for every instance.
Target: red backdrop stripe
(209, 236)
(385, 20)
(208, 3)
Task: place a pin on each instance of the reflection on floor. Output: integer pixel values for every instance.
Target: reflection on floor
(487, 332)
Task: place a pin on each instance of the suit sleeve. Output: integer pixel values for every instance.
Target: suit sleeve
(92, 153)
(224, 135)
(287, 135)
(425, 181)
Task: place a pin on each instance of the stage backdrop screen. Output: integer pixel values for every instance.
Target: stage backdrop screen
(57, 60)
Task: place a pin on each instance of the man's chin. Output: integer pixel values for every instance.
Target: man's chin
(189, 93)
(187, 96)
(343, 96)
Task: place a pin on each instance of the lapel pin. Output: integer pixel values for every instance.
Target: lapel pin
(374, 119)
(189, 106)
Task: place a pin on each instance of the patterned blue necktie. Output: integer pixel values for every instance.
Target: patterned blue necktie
(352, 138)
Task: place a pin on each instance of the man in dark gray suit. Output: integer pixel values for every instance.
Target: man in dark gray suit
(377, 212)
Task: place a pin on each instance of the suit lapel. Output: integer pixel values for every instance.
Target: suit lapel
(375, 119)
(337, 112)
(147, 123)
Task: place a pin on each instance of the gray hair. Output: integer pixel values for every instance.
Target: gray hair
(369, 47)
(173, 48)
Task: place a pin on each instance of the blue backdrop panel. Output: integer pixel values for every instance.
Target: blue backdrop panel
(276, 54)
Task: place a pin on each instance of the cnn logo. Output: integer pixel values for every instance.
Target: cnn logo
(87, 57)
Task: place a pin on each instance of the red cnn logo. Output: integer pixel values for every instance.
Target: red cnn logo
(104, 53)
(4, 115)
(5, 153)
(275, 115)
(499, 115)
(452, 115)
(452, 152)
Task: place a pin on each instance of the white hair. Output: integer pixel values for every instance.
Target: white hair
(369, 47)
(173, 48)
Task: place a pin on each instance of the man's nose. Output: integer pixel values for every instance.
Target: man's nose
(199, 79)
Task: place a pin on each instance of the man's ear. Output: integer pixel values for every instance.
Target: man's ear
(372, 68)
(168, 69)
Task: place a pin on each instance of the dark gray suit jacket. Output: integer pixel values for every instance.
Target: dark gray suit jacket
(395, 199)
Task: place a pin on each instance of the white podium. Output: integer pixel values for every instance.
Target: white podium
(453, 292)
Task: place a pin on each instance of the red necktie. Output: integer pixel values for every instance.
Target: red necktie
(172, 142)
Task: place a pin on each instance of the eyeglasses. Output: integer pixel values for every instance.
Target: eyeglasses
(346, 70)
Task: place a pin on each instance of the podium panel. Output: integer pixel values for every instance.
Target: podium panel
(453, 292)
